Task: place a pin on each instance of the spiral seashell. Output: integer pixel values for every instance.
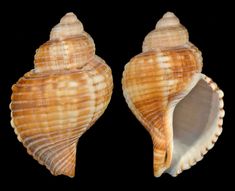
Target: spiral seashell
(55, 103)
(181, 108)
(168, 33)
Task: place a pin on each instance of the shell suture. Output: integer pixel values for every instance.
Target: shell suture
(54, 104)
(175, 102)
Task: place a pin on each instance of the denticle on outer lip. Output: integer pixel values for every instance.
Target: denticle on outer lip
(54, 104)
(181, 108)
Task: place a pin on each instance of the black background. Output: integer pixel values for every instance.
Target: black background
(117, 150)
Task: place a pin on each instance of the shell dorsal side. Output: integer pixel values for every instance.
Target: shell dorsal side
(168, 33)
(69, 47)
(164, 84)
(53, 105)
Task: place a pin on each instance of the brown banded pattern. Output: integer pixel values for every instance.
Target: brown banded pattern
(55, 103)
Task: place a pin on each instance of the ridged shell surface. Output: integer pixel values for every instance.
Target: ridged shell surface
(55, 103)
(156, 81)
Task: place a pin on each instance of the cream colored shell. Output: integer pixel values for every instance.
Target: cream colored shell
(55, 103)
(181, 108)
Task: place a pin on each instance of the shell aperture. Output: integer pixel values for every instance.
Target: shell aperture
(180, 107)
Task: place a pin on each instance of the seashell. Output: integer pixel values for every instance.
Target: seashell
(180, 107)
(62, 97)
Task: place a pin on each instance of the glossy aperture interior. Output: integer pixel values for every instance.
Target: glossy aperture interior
(195, 120)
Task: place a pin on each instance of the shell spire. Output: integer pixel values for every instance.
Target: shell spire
(69, 47)
(181, 108)
(69, 26)
(53, 105)
(168, 33)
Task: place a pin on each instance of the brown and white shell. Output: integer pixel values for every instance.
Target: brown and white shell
(181, 108)
(56, 102)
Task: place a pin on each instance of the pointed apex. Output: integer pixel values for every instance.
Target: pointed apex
(168, 33)
(169, 19)
(69, 47)
(168, 14)
(69, 18)
(68, 27)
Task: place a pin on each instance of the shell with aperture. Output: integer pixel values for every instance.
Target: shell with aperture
(56, 102)
(181, 108)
